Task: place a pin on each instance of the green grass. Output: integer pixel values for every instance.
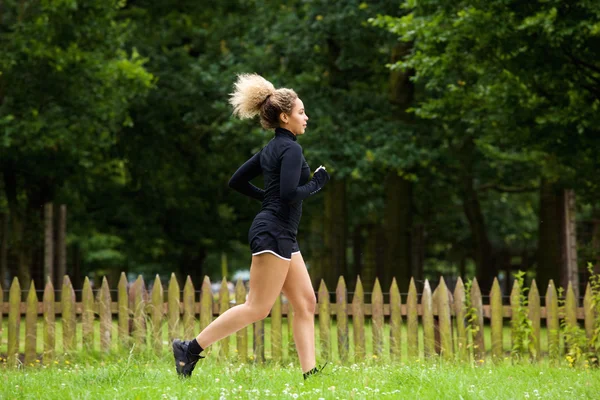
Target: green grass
(143, 377)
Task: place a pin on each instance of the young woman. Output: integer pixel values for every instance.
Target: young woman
(277, 264)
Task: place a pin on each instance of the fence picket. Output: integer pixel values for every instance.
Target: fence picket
(123, 304)
(588, 312)
(427, 319)
(358, 321)
(157, 315)
(14, 322)
(189, 320)
(515, 303)
(87, 316)
(571, 308)
(224, 306)
(49, 324)
(341, 317)
(477, 324)
(206, 304)
(31, 325)
(377, 319)
(139, 312)
(535, 316)
(67, 299)
(395, 321)
(242, 335)
(460, 312)
(552, 321)
(104, 310)
(259, 341)
(173, 309)
(412, 321)
(292, 353)
(496, 320)
(445, 321)
(324, 321)
(276, 331)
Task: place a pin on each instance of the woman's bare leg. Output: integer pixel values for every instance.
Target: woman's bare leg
(267, 274)
(299, 291)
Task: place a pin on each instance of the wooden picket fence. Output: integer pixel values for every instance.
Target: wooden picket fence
(448, 328)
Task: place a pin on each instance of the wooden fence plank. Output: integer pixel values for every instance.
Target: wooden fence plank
(276, 331)
(445, 321)
(477, 324)
(49, 324)
(552, 321)
(377, 319)
(123, 301)
(412, 321)
(496, 320)
(515, 304)
(31, 326)
(427, 319)
(139, 312)
(535, 316)
(173, 309)
(67, 299)
(259, 341)
(104, 302)
(341, 317)
(241, 337)
(570, 308)
(324, 321)
(206, 304)
(588, 311)
(292, 352)
(157, 312)
(14, 323)
(189, 320)
(395, 322)
(358, 321)
(223, 307)
(87, 317)
(460, 312)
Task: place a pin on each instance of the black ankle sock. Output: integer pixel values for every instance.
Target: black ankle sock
(194, 348)
(311, 372)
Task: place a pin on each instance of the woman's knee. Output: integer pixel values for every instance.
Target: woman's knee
(307, 306)
(257, 312)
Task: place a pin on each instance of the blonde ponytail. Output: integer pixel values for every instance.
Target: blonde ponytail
(251, 91)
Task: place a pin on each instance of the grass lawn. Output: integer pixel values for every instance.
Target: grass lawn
(143, 377)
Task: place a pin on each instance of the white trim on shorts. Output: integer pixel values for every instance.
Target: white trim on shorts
(296, 252)
(272, 252)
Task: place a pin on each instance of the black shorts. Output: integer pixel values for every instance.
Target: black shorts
(266, 236)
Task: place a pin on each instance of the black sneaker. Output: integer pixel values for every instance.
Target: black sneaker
(184, 362)
(315, 370)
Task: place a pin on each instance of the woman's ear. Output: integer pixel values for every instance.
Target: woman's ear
(284, 117)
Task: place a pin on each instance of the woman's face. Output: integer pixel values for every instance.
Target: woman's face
(296, 121)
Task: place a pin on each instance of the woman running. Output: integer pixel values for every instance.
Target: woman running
(277, 264)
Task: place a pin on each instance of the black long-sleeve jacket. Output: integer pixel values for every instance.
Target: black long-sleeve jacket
(286, 179)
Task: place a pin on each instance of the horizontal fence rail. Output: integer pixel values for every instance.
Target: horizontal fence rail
(442, 323)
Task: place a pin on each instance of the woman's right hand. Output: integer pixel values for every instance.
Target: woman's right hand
(322, 173)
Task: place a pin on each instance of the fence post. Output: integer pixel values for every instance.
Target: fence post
(157, 314)
(224, 306)
(259, 341)
(189, 320)
(276, 331)
(477, 323)
(588, 312)
(459, 311)
(123, 300)
(412, 321)
(324, 321)
(341, 317)
(49, 323)
(571, 308)
(14, 322)
(377, 319)
(31, 325)
(104, 302)
(292, 353)
(358, 321)
(174, 310)
(395, 322)
(206, 300)
(87, 316)
(445, 319)
(552, 321)
(67, 298)
(535, 317)
(242, 335)
(427, 318)
(515, 303)
(496, 320)
(139, 312)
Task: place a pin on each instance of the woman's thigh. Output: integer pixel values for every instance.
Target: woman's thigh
(297, 286)
(267, 276)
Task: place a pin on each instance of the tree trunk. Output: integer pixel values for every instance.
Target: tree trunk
(357, 251)
(61, 245)
(570, 268)
(368, 272)
(48, 242)
(335, 235)
(4, 250)
(418, 251)
(596, 241)
(317, 251)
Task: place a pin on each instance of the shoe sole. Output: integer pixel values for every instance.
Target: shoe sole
(179, 355)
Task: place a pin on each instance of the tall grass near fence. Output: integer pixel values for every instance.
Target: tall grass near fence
(441, 323)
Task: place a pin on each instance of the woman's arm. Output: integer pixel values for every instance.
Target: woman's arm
(291, 165)
(240, 180)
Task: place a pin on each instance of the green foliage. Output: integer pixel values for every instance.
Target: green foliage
(522, 328)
